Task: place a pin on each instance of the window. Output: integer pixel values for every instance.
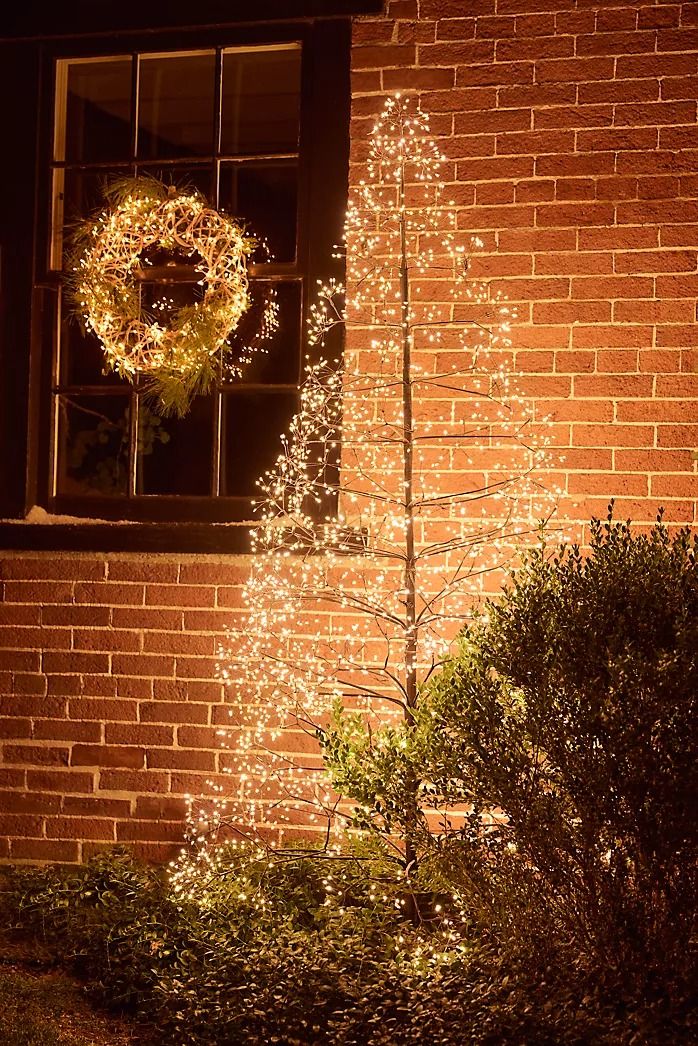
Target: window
(254, 126)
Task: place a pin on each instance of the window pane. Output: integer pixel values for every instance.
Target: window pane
(81, 357)
(265, 195)
(93, 445)
(76, 194)
(175, 105)
(253, 424)
(98, 112)
(261, 100)
(280, 362)
(174, 454)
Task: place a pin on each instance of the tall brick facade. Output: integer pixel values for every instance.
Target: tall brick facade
(570, 132)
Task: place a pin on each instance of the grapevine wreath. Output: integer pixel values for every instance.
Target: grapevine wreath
(180, 358)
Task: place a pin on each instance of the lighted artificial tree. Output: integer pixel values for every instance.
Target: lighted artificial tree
(405, 481)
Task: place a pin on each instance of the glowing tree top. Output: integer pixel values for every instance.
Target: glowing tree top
(407, 477)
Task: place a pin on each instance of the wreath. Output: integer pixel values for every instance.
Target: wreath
(113, 262)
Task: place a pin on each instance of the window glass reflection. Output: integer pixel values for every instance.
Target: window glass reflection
(175, 105)
(98, 112)
(261, 100)
(93, 437)
(253, 423)
(265, 196)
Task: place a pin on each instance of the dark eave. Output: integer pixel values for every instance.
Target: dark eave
(42, 20)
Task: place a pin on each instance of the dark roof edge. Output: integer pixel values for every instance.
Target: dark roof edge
(47, 21)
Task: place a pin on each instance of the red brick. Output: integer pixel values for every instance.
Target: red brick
(196, 668)
(35, 755)
(658, 17)
(19, 614)
(179, 643)
(38, 592)
(106, 639)
(90, 805)
(151, 831)
(48, 567)
(646, 90)
(614, 387)
(673, 486)
(12, 777)
(180, 759)
(575, 214)
(209, 620)
(457, 28)
(143, 665)
(21, 824)
(20, 660)
(14, 728)
(66, 730)
(133, 781)
(197, 737)
(157, 808)
(620, 335)
(190, 784)
(456, 53)
(33, 705)
(29, 683)
(107, 755)
(677, 436)
(75, 661)
(60, 781)
(180, 595)
(80, 828)
(171, 620)
(522, 49)
(614, 435)
(63, 686)
(108, 592)
(30, 803)
(169, 712)
(380, 57)
(44, 850)
(494, 74)
(138, 734)
(617, 18)
(98, 686)
(146, 570)
(574, 70)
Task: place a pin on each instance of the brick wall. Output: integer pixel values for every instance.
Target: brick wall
(110, 700)
(572, 144)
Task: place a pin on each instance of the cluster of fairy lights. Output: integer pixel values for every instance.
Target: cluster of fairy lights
(113, 265)
(324, 609)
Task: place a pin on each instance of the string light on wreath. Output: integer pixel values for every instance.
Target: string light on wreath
(181, 357)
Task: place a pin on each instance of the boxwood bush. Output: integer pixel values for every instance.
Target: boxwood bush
(567, 725)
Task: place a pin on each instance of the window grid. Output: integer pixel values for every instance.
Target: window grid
(280, 272)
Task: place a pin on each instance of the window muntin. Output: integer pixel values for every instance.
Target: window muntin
(186, 118)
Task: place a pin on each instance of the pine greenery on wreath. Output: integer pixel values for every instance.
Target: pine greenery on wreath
(113, 259)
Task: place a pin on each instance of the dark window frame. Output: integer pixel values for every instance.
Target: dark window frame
(326, 100)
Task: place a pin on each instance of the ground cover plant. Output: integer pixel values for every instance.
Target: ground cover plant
(559, 910)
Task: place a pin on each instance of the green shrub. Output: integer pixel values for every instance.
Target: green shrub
(264, 954)
(568, 723)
